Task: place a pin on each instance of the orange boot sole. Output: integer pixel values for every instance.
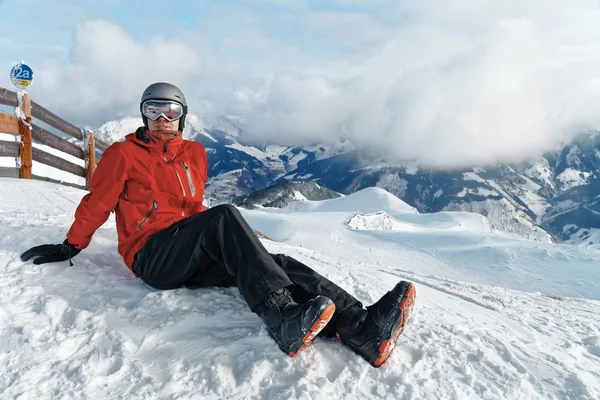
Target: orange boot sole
(387, 346)
(317, 327)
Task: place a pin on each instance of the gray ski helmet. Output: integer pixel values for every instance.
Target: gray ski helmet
(165, 91)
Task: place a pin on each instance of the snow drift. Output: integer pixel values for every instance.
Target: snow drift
(94, 330)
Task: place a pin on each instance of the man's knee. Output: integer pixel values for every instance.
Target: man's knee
(226, 209)
(279, 259)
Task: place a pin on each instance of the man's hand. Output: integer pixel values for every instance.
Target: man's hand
(48, 253)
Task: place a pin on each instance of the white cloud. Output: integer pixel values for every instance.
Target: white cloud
(108, 71)
(457, 86)
(443, 83)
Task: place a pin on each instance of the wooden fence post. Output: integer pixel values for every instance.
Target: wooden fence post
(25, 132)
(91, 156)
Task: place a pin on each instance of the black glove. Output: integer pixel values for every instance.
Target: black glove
(48, 253)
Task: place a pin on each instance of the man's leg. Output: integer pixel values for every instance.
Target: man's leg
(212, 248)
(371, 333)
(217, 247)
(309, 283)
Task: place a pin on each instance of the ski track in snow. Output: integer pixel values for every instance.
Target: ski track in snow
(95, 331)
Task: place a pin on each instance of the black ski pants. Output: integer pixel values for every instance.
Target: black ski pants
(217, 247)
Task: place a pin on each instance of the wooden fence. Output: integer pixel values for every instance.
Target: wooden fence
(22, 127)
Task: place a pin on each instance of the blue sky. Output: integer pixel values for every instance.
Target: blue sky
(437, 81)
(51, 25)
(226, 47)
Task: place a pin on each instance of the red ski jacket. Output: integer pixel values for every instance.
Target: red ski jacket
(149, 183)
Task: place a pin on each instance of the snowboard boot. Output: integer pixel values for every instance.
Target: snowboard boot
(293, 325)
(372, 333)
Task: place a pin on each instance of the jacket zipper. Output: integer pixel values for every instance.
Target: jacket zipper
(148, 215)
(190, 181)
(182, 188)
(189, 175)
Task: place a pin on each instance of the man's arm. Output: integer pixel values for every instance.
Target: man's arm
(105, 188)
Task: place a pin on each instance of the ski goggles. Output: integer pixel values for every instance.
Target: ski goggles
(154, 109)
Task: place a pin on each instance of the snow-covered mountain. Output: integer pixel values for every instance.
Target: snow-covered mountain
(284, 193)
(236, 167)
(496, 317)
(553, 198)
(493, 193)
(115, 131)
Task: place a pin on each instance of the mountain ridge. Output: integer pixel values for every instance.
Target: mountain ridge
(550, 198)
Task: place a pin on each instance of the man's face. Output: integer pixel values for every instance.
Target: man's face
(162, 124)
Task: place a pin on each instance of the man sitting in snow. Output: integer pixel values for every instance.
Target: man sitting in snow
(154, 181)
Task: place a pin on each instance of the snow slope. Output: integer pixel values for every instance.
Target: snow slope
(452, 245)
(95, 331)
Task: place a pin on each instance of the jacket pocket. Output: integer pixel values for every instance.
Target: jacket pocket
(190, 180)
(147, 216)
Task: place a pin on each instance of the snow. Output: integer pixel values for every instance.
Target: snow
(496, 186)
(378, 221)
(299, 196)
(477, 191)
(540, 169)
(505, 217)
(529, 184)
(115, 131)
(411, 170)
(295, 159)
(392, 183)
(569, 227)
(359, 201)
(497, 316)
(229, 125)
(564, 206)
(472, 176)
(223, 186)
(583, 236)
(272, 153)
(253, 151)
(322, 151)
(443, 222)
(194, 124)
(527, 193)
(570, 178)
(535, 203)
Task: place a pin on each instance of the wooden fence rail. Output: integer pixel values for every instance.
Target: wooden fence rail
(9, 124)
(28, 132)
(8, 97)
(9, 149)
(43, 136)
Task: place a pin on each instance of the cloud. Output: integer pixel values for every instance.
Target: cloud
(436, 82)
(457, 85)
(108, 71)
